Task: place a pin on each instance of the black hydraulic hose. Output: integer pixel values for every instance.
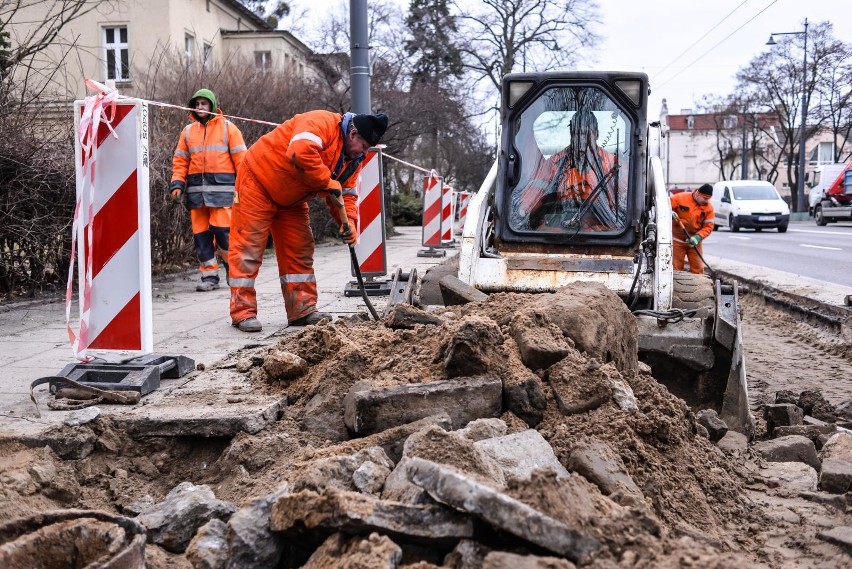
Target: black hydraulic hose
(357, 268)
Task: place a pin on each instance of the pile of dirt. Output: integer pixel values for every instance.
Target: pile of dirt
(665, 496)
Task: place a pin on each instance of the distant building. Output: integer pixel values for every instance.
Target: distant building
(120, 38)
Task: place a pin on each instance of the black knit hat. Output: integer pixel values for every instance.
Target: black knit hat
(371, 127)
(706, 189)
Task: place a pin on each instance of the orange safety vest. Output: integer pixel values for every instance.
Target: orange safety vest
(698, 219)
(205, 162)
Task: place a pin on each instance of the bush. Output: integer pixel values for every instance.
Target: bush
(406, 210)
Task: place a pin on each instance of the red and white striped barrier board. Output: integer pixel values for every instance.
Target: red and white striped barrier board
(447, 209)
(111, 227)
(432, 193)
(370, 247)
(464, 199)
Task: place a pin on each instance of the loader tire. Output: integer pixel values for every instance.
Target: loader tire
(693, 291)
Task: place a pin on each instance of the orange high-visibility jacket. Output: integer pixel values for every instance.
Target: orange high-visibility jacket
(304, 156)
(206, 160)
(698, 219)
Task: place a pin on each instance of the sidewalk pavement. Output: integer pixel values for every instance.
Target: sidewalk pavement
(189, 323)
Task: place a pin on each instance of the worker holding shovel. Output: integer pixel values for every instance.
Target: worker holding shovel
(314, 153)
(692, 216)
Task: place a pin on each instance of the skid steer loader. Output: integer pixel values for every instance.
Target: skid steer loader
(577, 194)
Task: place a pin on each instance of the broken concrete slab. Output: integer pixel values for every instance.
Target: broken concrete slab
(337, 471)
(323, 416)
(519, 454)
(250, 415)
(173, 522)
(792, 448)
(840, 536)
(251, 545)
(454, 291)
(463, 399)
(209, 548)
(836, 473)
(595, 461)
(454, 488)
(351, 512)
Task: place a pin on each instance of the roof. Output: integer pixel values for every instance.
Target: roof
(248, 14)
(269, 32)
(714, 120)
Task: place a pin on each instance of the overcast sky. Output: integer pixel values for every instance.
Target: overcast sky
(659, 37)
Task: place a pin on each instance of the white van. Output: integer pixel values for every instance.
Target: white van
(824, 176)
(753, 204)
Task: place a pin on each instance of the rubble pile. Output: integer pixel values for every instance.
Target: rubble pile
(519, 431)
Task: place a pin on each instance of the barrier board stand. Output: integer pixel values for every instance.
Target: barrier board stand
(112, 237)
(370, 248)
(432, 193)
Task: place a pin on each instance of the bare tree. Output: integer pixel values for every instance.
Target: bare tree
(525, 35)
(773, 80)
(834, 97)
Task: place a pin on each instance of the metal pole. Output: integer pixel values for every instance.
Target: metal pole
(800, 207)
(359, 69)
(744, 167)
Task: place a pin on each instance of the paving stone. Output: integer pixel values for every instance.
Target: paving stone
(792, 448)
(251, 415)
(790, 475)
(463, 399)
(836, 473)
(519, 454)
(352, 512)
(782, 415)
(600, 465)
(716, 427)
(454, 291)
(813, 432)
(454, 488)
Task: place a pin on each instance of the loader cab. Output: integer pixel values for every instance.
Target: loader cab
(572, 159)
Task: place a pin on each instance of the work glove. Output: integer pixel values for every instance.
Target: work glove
(346, 234)
(695, 240)
(176, 194)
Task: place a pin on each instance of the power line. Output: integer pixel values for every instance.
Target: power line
(716, 45)
(684, 52)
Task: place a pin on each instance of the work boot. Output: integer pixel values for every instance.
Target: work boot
(249, 325)
(207, 286)
(312, 318)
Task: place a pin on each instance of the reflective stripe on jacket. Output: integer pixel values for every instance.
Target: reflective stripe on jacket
(298, 159)
(698, 219)
(205, 162)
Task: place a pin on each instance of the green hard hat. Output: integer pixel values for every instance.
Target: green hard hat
(207, 94)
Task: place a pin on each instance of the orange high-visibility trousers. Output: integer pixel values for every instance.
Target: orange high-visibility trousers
(253, 216)
(681, 249)
(210, 227)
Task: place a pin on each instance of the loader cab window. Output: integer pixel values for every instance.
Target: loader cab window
(574, 151)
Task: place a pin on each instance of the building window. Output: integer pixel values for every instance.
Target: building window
(116, 54)
(207, 61)
(729, 121)
(823, 153)
(263, 60)
(690, 121)
(188, 48)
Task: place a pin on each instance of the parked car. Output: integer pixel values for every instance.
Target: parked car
(753, 204)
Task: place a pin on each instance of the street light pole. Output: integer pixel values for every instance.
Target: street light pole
(800, 198)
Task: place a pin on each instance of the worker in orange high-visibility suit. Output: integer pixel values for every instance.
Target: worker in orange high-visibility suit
(204, 168)
(315, 153)
(694, 211)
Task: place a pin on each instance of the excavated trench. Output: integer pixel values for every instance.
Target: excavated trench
(520, 431)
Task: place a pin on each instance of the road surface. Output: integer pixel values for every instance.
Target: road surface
(822, 253)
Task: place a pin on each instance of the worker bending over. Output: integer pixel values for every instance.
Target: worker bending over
(692, 223)
(314, 153)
